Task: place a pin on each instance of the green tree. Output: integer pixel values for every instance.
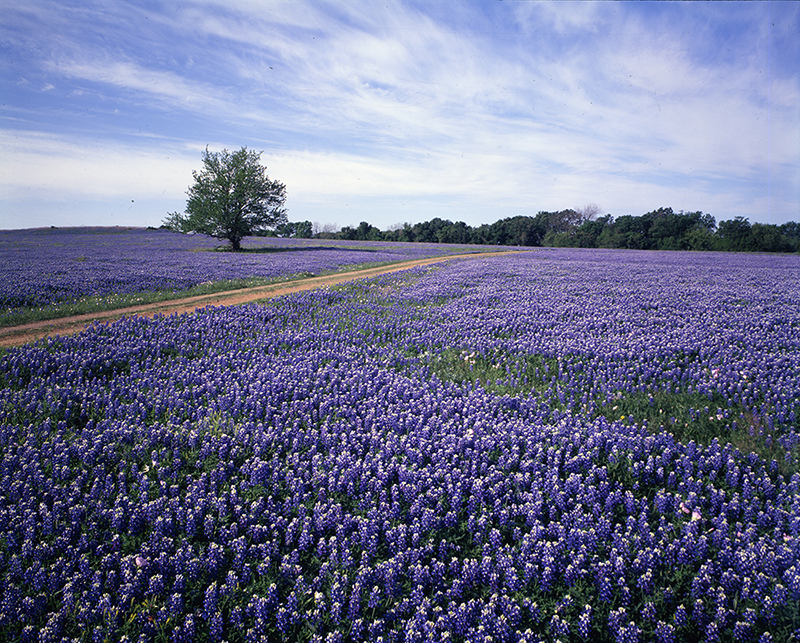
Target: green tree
(768, 238)
(428, 231)
(523, 231)
(348, 233)
(494, 234)
(296, 229)
(406, 233)
(304, 230)
(735, 235)
(231, 198)
(627, 232)
(285, 229)
(791, 232)
(556, 222)
(368, 232)
(458, 232)
(699, 238)
(670, 231)
(480, 235)
(588, 235)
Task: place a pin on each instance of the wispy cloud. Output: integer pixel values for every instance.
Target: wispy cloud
(482, 109)
(48, 165)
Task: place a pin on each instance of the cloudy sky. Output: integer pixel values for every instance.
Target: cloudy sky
(401, 111)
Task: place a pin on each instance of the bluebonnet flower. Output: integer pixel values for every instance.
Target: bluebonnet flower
(374, 597)
(534, 611)
(665, 633)
(156, 587)
(558, 626)
(792, 578)
(187, 631)
(645, 582)
(215, 627)
(742, 631)
(210, 602)
(617, 619)
(231, 583)
(649, 611)
(628, 634)
(585, 621)
(175, 605)
(680, 617)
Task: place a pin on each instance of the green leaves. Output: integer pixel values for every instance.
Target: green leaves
(232, 198)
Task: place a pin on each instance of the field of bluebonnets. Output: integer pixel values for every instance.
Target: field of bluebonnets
(57, 270)
(559, 445)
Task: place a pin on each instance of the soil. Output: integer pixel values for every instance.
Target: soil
(25, 333)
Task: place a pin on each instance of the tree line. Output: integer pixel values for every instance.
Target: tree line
(661, 229)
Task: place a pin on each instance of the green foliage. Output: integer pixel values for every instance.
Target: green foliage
(661, 229)
(232, 198)
(364, 232)
(689, 416)
(500, 373)
(295, 230)
(735, 234)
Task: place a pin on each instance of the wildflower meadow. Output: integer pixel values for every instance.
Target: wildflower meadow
(55, 270)
(559, 445)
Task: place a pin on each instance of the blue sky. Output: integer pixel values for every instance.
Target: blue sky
(397, 112)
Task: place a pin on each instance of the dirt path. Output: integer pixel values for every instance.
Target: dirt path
(24, 333)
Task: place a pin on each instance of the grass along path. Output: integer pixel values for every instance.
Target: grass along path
(28, 332)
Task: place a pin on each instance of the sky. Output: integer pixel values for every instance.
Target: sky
(397, 112)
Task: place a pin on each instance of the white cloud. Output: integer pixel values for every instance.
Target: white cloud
(51, 165)
(531, 105)
(169, 87)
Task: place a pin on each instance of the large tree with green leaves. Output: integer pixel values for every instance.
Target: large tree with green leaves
(231, 198)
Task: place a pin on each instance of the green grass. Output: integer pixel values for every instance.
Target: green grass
(689, 416)
(696, 417)
(502, 374)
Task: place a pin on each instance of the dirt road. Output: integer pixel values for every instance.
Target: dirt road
(24, 333)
